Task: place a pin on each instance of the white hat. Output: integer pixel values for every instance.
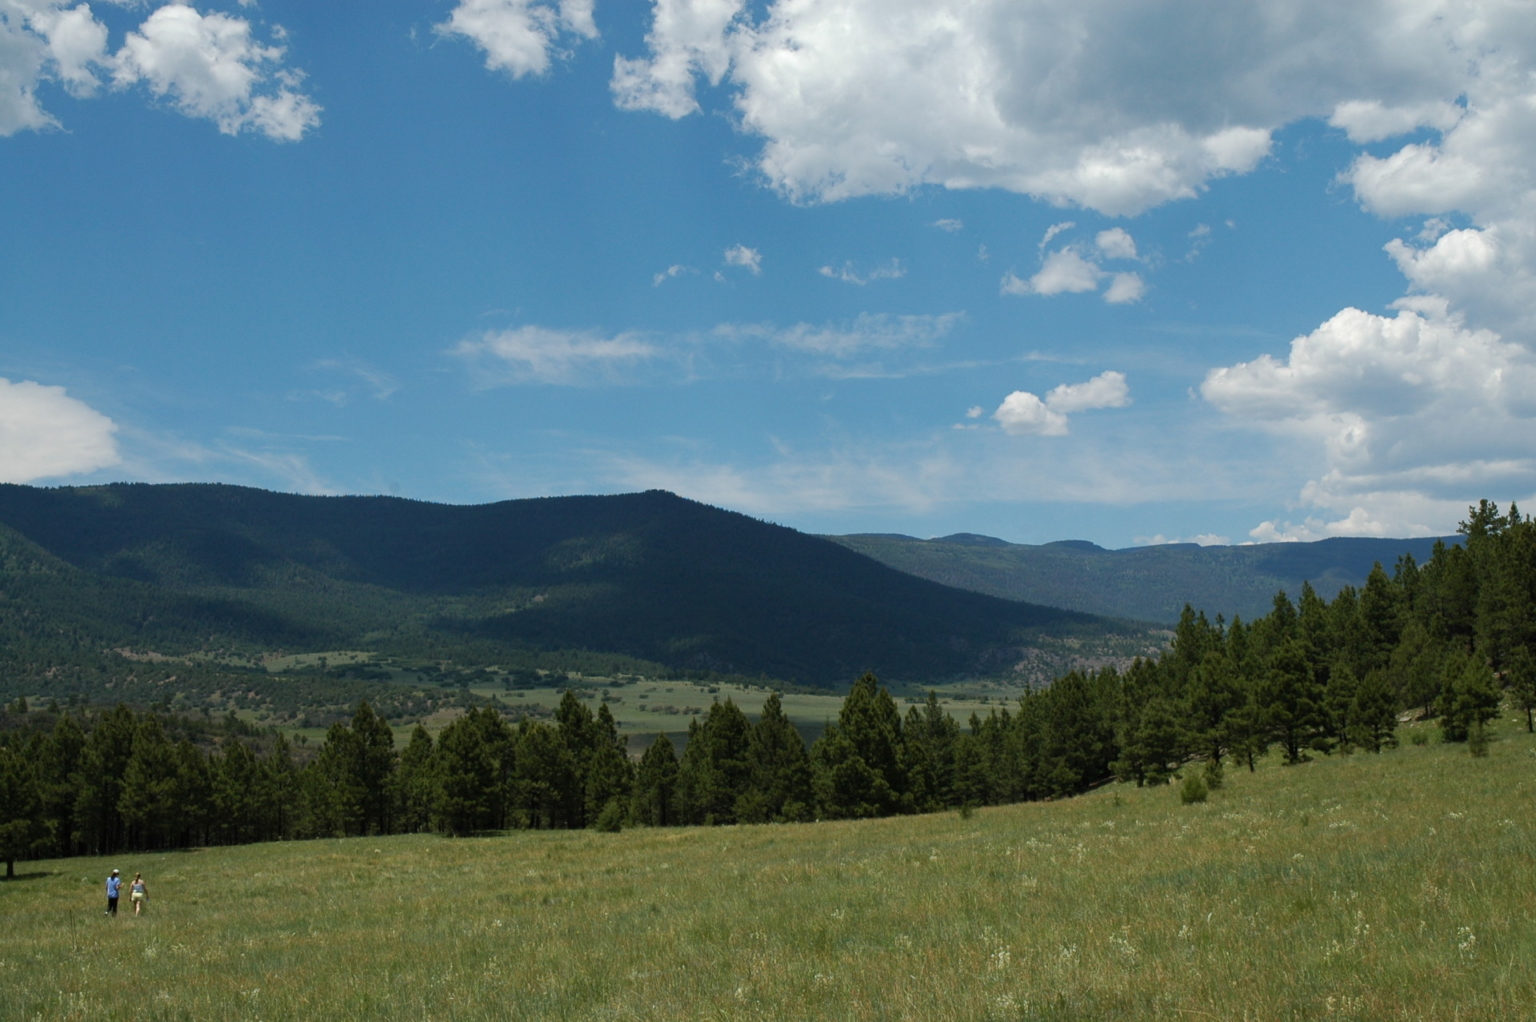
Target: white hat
(114, 872)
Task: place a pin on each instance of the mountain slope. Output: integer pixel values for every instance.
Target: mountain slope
(1146, 583)
(649, 575)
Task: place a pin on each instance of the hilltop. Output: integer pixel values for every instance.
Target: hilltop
(1144, 583)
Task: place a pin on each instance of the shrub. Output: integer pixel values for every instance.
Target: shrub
(611, 819)
(1193, 789)
(1477, 739)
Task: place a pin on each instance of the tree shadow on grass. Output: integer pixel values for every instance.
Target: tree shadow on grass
(37, 874)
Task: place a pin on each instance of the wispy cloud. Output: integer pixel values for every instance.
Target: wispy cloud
(866, 333)
(378, 384)
(675, 270)
(535, 354)
(749, 259)
(245, 456)
(848, 275)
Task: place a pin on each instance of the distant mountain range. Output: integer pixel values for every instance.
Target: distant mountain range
(1146, 583)
(646, 575)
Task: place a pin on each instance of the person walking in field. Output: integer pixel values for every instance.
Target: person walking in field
(138, 894)
(114, 887)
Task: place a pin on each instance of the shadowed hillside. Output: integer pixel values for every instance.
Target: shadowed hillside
(1147, 583)
(648, 575)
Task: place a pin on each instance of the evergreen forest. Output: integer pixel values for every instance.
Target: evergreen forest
(1450, 639)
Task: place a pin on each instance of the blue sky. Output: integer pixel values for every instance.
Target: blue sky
(1121, 271)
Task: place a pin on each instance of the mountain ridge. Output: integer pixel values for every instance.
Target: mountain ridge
(1150, 583)
(649, 575)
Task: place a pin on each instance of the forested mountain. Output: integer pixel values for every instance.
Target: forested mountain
(649, 575)
(1145, 583)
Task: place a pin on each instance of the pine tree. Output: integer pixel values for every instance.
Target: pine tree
(103, 764)
(57, 765)
(1373, 714)
(578, 730)
(970, 768)
(1077, 737)
(1470, 699)
(1522, 683)
(237, 793)
(1381, 618)
(417, 783)
(549, 794)
(1213, 693)
(332, 793)
(931, 737)
(20, 809)
(714, 773)
(277, 782)
(858, 769)
(610, 775)
(778, 769)
(1339, 706)
(1414, 669)
(374, 768)
(475, 762)
(149, 804)
(1292, 701)
(195, 795)
(652, 804)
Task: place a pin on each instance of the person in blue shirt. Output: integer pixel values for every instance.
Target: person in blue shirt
(114, 885)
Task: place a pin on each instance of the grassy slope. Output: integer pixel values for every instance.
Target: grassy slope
(1359, 887)
(1146, 583)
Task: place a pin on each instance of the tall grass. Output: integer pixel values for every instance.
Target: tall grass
(1399, 886)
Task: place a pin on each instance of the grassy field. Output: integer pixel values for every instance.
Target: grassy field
(1400, 886)
(642, 709)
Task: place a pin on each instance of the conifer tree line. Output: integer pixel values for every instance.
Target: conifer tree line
(1311, 677)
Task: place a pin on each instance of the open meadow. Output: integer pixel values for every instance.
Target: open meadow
(1398, 886)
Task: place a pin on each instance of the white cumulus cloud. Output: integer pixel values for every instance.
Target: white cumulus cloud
(1092, 102)
(203, 65)
(1073, 269)
(208, 65)
(1125, 288)
(1065, 271)
(1106, 390)
(45, 433)
(1403, 416)
(520, 36)
(1115, 243)
(1023, 412)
